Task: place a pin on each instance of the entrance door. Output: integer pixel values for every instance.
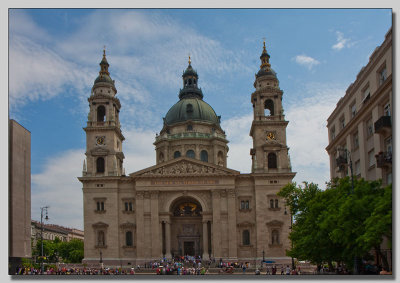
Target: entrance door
(188, 248)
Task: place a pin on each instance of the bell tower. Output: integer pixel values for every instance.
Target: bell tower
(104, 156)
(268, 129)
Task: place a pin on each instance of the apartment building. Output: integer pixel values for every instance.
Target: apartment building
(361, 123)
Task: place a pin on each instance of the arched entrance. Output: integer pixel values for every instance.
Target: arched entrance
(186, 227)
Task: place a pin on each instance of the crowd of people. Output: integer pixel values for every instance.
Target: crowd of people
(190, 265)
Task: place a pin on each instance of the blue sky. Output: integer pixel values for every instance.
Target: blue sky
(54, 59)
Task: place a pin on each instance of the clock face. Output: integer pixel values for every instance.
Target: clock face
(270, 136)
(100, 140)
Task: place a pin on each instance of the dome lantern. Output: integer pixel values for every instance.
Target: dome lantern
(190, 86)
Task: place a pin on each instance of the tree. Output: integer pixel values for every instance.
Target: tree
(379, 225)
(338, 224)
(71, 252)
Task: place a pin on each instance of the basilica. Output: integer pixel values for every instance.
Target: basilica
(189, 202)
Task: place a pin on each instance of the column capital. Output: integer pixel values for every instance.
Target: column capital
(154, 194)
(139, 194)
(231, 193)
(216, 193)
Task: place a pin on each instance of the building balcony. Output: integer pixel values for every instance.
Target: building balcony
(341, 161)
(383, 124)
(383, 159)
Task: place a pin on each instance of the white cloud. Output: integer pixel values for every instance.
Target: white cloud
(237, 131)
(57, 186)
(306, 61)
(138, 149)
(341, 41)
(147, 53)
(307, 135)
(38, 73)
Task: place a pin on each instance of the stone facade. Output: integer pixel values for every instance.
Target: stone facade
(52, 231)
(362, 123)
(362, 120)
(189, 203)
(19, 194)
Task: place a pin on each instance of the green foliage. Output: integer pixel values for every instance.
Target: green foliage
(339, 223)
(56, 250)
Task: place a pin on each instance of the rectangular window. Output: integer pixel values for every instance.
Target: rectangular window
(244, 205)
(382, 75)
(355, 141)
(389, 178)
(332, 133)
(342, 123)
(371, 158)
(353, 110)
(246, 237)
(388, 144)
(370, 128)
(100, 206)
(366, 94)
(386, 109)
(357, 168)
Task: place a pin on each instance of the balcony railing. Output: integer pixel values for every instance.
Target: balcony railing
(383, 124)
(383, 159)
(190, 135)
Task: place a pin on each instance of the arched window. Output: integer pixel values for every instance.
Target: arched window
(275, 237)
(177, 154)
(190, 153)
(269, 108)
(128, 239)
(204, 156)
(189, 108)
(100, 165)
(272, 160)
(246, 237)
(220, 158)
(271, 203)
(101, 113)
(161, 157)
(189, 128)
(276, 203)
(100, 239)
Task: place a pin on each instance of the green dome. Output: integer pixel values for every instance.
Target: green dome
(103, 78)
(191, 109)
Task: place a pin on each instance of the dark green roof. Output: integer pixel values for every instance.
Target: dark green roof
(198, 111)
(266, 72)
(104, 79)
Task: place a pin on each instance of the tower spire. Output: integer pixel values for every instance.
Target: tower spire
(265, 58)
(104, 64)
(190, 61)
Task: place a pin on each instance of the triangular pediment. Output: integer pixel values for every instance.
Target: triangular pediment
(184, 166)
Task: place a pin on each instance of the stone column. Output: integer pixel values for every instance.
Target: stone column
(232, 224)
(140, 246)
(155, 224)
(167, 239)
(205, 240)
(216, 240)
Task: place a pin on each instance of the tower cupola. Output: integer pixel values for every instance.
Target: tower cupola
(265, 67)
(104, 74)
(190, 84)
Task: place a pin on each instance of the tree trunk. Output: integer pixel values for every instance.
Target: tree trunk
(383, 257)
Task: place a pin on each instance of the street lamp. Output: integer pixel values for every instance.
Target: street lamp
(101, 261)
(291, 225)
(340, 162)
(42, 209)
